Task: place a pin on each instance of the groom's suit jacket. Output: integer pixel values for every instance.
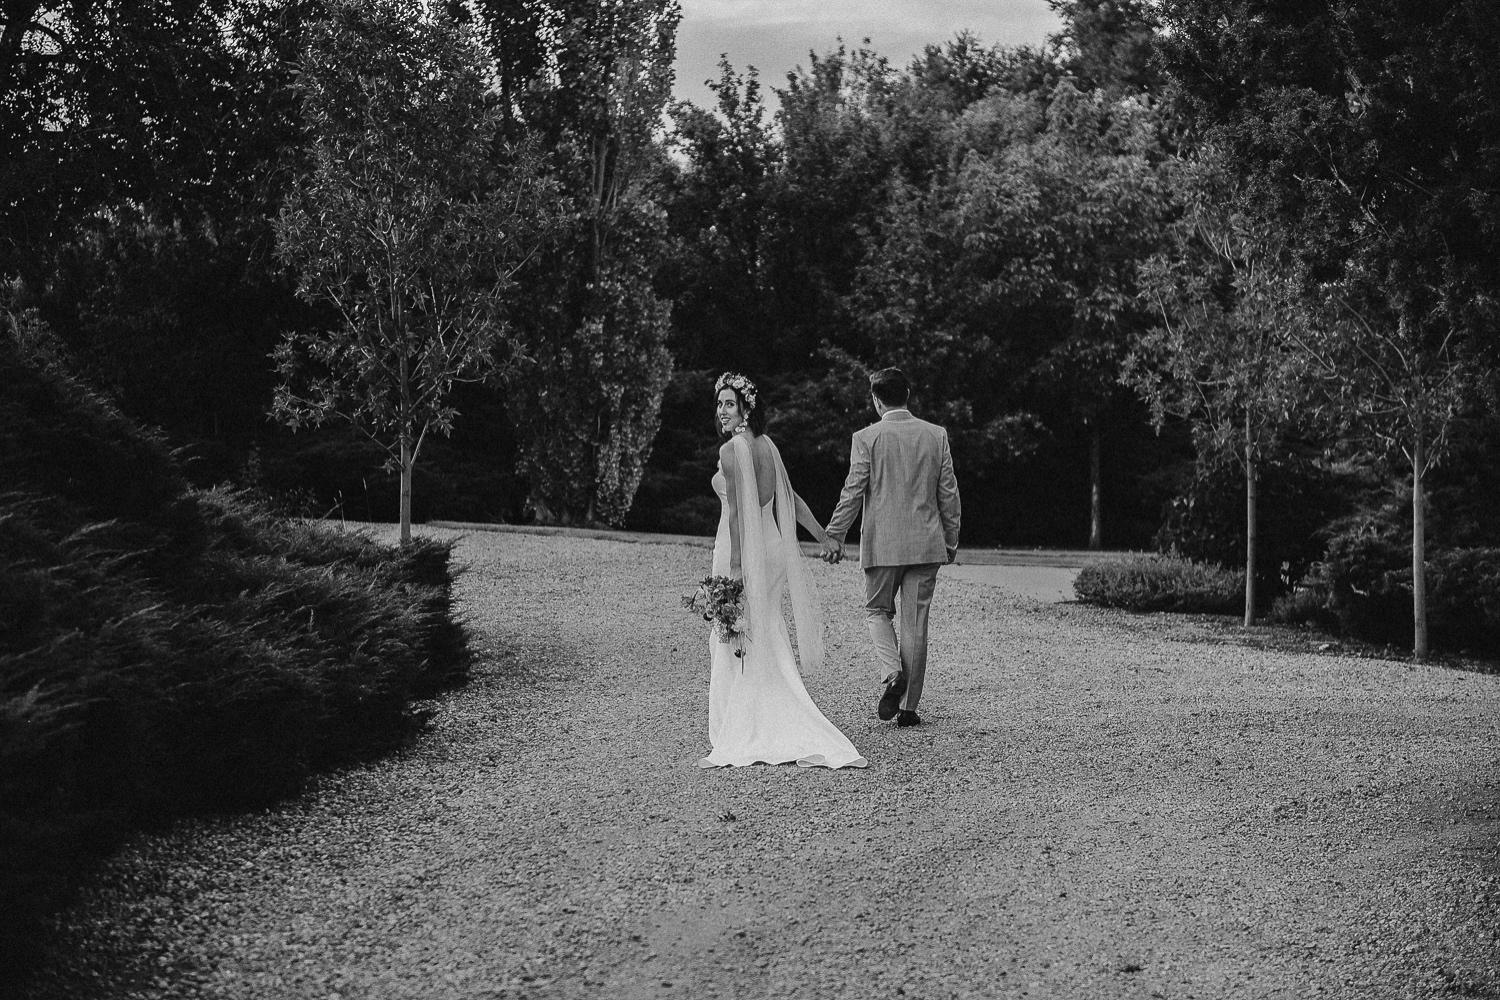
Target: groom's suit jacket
(901, 476)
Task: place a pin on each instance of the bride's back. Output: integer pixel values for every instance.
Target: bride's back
(765, 468)
(762, 459)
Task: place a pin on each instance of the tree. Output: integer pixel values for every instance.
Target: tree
(592, 327)
(1225, 357)
(1397, 373)
(963, 70)
(1109, 44)
(829, 193)
(1368, 130)
(142, 158)
(404, 223)
(718, 214)
(1008, 285)
(1111, 215)
(975, 219)
(172, 106)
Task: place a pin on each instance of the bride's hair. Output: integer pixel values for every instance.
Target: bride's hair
(748, 396)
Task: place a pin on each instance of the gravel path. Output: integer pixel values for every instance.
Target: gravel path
(1100, 805)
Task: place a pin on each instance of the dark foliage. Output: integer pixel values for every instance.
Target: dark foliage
(674, 495)
(587, 311)
(975, 219)
(1372, 126)
(177, 322)
(181, 107)
(1360, 582)
(155, 267)
(1363, 587)
(1041, 500)
(1298, 496)
(166, 650)
(1110, 44)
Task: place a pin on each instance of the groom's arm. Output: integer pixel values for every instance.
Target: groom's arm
(950, 508)
(853, 496)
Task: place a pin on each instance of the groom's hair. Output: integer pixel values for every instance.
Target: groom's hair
(890, 386)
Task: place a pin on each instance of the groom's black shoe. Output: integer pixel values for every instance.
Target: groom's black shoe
(891, 700)
(904, 719)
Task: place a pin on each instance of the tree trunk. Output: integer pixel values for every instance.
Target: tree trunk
(1096, 499)
(406, 464)
(406, 451)
(1418, 552)
(1251, 497)
(591, 507)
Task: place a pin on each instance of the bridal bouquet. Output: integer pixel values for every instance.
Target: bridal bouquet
(721, 601)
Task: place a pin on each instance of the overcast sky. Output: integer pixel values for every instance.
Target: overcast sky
(775, 35)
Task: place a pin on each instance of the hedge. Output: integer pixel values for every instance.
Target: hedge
(1161, 583)
(165, 650)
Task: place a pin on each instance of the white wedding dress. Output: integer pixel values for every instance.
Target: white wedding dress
(758, 710)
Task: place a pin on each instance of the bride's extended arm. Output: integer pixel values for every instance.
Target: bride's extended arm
(732, 505)
(806, 519)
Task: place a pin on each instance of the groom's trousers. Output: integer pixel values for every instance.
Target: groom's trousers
(909, 656)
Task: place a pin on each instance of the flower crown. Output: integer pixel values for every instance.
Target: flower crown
(740, 384)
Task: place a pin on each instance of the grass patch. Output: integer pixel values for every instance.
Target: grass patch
(1161, 583)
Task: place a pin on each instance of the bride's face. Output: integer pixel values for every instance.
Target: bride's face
(730, 416)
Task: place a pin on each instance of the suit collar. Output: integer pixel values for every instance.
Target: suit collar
(899, 413)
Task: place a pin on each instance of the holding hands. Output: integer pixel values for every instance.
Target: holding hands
(833, 550)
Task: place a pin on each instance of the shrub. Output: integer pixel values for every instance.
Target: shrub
(1362, 588)
(1306, 604)
(1161, 583)
(1366, 573)
(1463, 597)
(165, 649)
(127, 698)
(1298, 498)
(1367, 577)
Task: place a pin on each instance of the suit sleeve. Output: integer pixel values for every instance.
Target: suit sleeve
(851, 500)
(950, 508)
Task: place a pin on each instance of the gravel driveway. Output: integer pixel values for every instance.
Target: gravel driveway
(1099, 805)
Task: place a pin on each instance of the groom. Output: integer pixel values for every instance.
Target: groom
(901, 474)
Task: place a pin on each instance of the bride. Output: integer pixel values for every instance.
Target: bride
(758, 710)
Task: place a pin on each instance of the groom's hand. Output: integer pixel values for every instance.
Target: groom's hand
(833, 550)
(952, 555)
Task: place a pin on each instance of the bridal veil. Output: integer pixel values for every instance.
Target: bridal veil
(760, 588)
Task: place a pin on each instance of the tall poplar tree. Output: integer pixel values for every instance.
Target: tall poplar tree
(586, 398)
